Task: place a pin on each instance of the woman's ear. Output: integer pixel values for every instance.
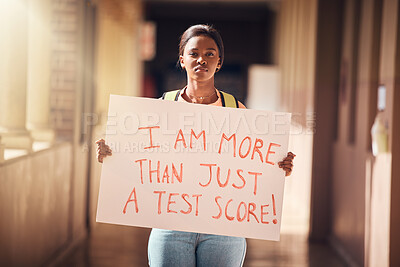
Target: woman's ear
(218, 65)
(182, 62)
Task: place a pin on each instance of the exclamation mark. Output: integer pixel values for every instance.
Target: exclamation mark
(275, 221)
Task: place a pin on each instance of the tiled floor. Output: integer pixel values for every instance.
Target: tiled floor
(111, 245)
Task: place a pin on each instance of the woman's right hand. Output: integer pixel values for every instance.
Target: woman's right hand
(103, 150)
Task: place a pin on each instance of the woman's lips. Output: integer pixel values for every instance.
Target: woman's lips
(201, 69)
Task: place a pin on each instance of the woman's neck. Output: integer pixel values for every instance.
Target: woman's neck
(202, 92)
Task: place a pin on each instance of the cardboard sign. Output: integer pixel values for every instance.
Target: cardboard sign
(194, 168)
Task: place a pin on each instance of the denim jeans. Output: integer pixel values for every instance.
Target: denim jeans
(169, 248)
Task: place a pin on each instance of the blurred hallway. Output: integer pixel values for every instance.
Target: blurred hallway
(111, 245)
(334, 65)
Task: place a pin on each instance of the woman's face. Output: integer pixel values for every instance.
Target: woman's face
(200, 58)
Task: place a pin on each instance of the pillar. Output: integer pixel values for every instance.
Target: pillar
(13, 74)
(1, 151)
(38, 83)
(118, 72)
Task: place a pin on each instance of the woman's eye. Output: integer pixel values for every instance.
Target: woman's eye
(210, 54)
(193, 54)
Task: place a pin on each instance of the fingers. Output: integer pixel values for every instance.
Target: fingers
(103, 150)
(287, 168)
(287, 163)
(100, 158)
(290, 155)
(288, 160)
(101, 146)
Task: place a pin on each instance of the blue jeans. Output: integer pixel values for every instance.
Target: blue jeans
(169, 248)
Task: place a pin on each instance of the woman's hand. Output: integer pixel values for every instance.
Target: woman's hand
(103, 150)
(287, 163)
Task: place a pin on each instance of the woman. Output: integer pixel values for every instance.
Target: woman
(201, 55)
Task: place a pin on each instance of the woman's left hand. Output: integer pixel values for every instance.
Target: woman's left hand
(287, 163)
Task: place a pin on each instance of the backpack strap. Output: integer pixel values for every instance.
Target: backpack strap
(228, 100)
(171, 95)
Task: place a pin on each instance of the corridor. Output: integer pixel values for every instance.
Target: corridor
(329, 70)
(122, 246)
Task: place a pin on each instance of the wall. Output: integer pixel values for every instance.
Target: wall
(326, 83)
(385, 168)
(118, 70)
(354, 192)
(43, 195)
(79, 204)
(297, 48)
(42, 205)
(357, 48)
(34, 206)
(350, 150)
(297, 51)
(65, 58)
(362, 191)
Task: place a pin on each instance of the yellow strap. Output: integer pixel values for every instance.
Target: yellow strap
(229, 100)
(171, 95)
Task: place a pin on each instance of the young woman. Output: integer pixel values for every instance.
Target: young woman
(201, 55)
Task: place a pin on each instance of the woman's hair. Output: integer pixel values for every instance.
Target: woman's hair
(202, 30)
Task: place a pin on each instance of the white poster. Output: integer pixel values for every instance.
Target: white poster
(195, 168)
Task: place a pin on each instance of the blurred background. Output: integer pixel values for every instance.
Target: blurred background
(335, 65)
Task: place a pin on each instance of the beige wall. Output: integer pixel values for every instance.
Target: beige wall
(326, 83)
(389, 74)
(362, 184)
(79, 179)
(118, 69)
(357, 47)
(43, 195)
(349, 150)
(34, 206)
(42, 205)
(297, 51)
(297, 46)
(118, 66)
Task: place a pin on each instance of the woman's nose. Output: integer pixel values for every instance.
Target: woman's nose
(201, 61)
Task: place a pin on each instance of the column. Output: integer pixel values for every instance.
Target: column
(1, 151)
(38, 83)
(13, 74)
